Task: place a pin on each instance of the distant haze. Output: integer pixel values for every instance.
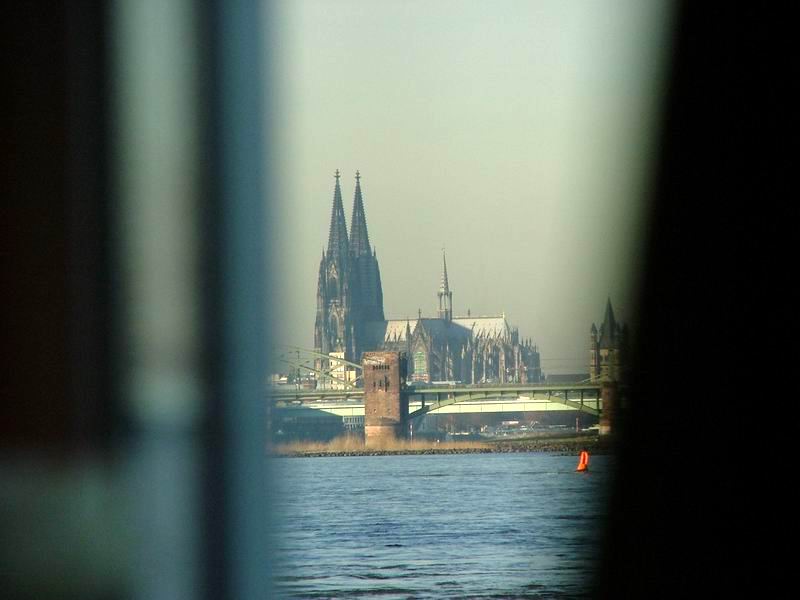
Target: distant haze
(517, 135)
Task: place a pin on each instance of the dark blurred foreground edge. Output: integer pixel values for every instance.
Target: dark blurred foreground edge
(693, 510)
(694, 504)
(98, 492)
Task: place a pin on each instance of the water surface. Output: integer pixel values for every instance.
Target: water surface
(438, 526)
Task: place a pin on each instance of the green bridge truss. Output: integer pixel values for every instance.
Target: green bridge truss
(300, 360)
(583, 397)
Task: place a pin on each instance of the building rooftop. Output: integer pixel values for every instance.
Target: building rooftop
(395, 330)
(488, 327)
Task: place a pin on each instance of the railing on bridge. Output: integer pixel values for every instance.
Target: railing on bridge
(330, 372)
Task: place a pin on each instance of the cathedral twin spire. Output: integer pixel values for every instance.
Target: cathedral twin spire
(338, 241)
(337, 236)
(359, 238)
(349, 290)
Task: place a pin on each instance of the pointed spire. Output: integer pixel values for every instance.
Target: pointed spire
(444, 286)
(608, 329)
(359, 238)
(444, 293)
(609, 318)
(337, 235)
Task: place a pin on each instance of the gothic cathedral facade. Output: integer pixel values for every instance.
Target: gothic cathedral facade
(350, 319)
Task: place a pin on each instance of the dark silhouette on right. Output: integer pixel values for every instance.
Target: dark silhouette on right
(712, 282)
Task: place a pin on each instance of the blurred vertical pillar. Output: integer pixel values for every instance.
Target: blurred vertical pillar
(235, 502)
(157, 128)
(189, 168)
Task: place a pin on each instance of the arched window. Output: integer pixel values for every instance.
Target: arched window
(336, 329)
(420, 365)
(334, 286)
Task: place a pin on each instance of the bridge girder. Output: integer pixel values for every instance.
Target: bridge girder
(478, 394)
(440, 397)
(301, 358)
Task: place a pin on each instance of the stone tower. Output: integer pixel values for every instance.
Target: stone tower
(607, 348)
(385, 403)
(333, 328)
(594, 357)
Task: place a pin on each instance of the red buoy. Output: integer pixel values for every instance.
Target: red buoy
(583, 461)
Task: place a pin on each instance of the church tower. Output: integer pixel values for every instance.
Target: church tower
(367, 290)
(608, 348)
(365, 283)
(445, 295)
(594, 355)
(333, 329)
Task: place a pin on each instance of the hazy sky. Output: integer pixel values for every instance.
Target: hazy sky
(516, 135)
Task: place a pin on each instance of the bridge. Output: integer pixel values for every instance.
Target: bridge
(580, 396)
(417, 400)
(329, 371)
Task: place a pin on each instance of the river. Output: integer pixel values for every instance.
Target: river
(438, 526)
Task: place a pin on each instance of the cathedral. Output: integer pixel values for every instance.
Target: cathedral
(350, 319)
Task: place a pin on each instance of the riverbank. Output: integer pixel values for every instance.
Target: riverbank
(354, 447)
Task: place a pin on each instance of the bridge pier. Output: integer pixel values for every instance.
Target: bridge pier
(385, 402)
(609, 395)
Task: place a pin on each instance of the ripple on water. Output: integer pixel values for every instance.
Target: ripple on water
(448, 526)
